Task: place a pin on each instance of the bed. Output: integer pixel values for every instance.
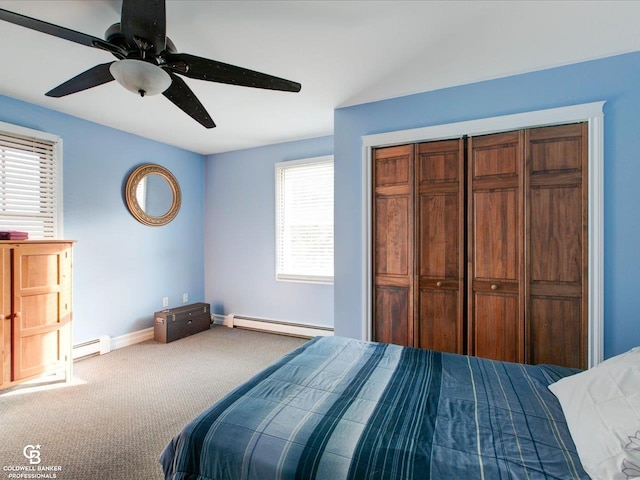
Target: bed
(338, 408)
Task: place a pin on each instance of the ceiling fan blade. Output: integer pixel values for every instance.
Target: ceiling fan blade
(182, 96)
(58, 31)
(93, 77)
(213, 71)
(147, 20)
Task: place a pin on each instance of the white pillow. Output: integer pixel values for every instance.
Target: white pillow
(602, 408)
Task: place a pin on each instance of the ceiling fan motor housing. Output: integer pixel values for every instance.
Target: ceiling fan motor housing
(115, 36)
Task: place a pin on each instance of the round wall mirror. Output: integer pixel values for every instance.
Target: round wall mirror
(153, 195)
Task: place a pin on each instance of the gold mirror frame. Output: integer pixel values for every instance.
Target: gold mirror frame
(132, 200)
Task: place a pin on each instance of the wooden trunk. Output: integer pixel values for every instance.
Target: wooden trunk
(176, 323)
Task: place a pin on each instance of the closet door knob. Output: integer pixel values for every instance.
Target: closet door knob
(2, 317)
(494, 287)
(439, 284)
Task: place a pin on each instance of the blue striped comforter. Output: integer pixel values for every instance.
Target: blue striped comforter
(338, 408)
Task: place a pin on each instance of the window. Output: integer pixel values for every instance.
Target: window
(30, 193)
(304, 220)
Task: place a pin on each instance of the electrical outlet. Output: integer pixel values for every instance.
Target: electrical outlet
(185, 297)
(165, 302)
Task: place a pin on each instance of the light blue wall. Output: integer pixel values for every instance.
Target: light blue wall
(240, 237)
(615, 80)
(122, 269)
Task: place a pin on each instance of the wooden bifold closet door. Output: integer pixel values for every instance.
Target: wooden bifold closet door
(439, 255)
(480, 245)
(495, 247)
(556, 311)
(393, 251)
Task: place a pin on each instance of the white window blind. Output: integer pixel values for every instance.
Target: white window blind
(29, 196)
(304, 220)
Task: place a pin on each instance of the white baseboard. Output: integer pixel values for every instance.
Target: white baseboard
(132, 338)
(277, 326)
(104, 343)
(231, 320)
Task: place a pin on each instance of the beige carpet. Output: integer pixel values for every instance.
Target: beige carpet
(124, 407)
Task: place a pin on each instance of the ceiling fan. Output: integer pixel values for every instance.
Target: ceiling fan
(147, 61)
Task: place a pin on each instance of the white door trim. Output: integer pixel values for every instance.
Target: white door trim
(592, 113)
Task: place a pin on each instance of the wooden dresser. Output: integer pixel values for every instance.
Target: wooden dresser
(35, 309)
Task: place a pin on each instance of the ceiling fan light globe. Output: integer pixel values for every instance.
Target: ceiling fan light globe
(140, 77)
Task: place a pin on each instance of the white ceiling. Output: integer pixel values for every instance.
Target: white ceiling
(343, 52)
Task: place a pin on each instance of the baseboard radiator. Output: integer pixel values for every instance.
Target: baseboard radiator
(273, 326)
(105, 344)
(98, 346)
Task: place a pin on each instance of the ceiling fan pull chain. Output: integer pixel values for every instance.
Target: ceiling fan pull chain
(143, 45)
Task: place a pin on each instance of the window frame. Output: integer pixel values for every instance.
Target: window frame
(299, 278)
(56, 141)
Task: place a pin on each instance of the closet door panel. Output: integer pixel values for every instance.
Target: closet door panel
(393, 234)
(438, 235)
(557, 245)
(555, 338)
(440, 245)
(393, 167)
(495, 156)
(556, 235)
(495, 241)
(556, 149)
(495, 231)
(496, 331)
(439, 325)
(438, 162)
(392, 223)
(392, 319)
